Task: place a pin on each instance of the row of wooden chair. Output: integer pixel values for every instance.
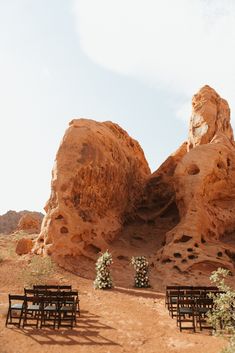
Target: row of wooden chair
(40, 307)
(190, 305)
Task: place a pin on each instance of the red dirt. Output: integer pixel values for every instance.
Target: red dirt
(120, 320)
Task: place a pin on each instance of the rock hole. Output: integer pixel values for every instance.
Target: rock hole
(64, 230)
(203, 240)
(191, 257)
(220, 254)
(228, 162)
(92, 249)
(165, 261)
(137, 237)
(193, 169)
(59, 217)
(230, 254)
(177, 254)
(185, 238)
(196, 245)
(183, 260)
(189, 249)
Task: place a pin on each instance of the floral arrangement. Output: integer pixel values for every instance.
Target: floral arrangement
(103, 278)
(141, 267)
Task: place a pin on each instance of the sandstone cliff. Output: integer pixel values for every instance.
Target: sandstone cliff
(181, 216)
(98, 177)
(204, 184)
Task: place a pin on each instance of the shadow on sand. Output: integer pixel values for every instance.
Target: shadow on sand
(86, 332)
(144, 293)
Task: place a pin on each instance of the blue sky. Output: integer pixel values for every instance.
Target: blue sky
(136, 63)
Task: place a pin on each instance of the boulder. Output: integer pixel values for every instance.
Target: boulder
(24, 246)
(30, 222)
(98, 177)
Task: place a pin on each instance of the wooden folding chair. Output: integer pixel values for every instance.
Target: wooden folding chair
(15, 309)
(50, 311)
(174, 295)
(203, 306)
(32, 311)
(67, 311)
(186, 313)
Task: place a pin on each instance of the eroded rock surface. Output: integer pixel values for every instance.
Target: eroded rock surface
(30, 222)
(181, 216)
(204, 184)
(210, 117)
(98, 177)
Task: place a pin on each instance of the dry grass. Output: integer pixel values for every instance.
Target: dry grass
(39, 271)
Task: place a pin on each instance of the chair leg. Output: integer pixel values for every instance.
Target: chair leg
(8, 314)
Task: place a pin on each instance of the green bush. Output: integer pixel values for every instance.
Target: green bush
(222, 317)
(103, 278)
(141, 267)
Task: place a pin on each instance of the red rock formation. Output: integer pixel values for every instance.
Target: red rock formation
(98, 176)
(24, 246)
(30, 222)
(204, 183)
(103, 196)
(9, 221)
(210, 117)
(159, 192)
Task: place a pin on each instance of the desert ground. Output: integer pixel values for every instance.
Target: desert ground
(123, 319)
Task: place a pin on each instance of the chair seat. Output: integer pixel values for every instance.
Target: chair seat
(50, 308)
(185, 310)
(203, 310)
(17, 306)
(66, 308)
(33, 307)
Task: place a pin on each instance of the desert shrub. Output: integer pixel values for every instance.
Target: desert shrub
(103, 278)
(222, 317)
(38, 271)
(141, 267)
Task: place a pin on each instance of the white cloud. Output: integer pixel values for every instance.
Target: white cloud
(180, 45)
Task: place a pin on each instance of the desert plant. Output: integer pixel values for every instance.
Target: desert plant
(103, 278)
(39, 271)
(141, 267)
(222, 317)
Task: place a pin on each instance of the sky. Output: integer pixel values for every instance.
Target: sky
(134, 62)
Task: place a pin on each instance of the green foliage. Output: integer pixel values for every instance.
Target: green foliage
(222, 317)
(103, 278)
(39, 271)
(141, 267)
